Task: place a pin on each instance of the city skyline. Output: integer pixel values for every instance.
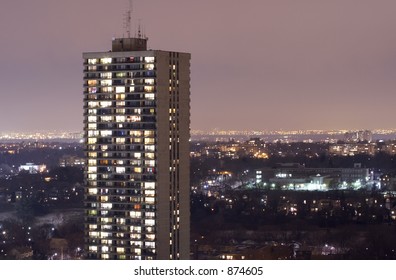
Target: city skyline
(262, 66)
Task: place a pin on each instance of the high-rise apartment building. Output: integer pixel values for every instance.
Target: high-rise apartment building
(137, 130)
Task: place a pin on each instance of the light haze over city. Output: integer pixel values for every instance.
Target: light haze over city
(263, 65)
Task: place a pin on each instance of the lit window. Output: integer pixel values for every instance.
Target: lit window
(91, 119)
(120, 169)
(92, 104)
(148, 89)
(93, 248)
(105, 60)
(105, 133)
(107, 205)
(150, 148)
(149, 96)
(120, 118)
(136, 133)
(149, 59)
(120, 74)
(149, 185)
(120, 140)
(133, 119)
(149, 200)
(135, 214)
(92, 61)
(149, 244)
(92, 82)
(120, 96)
(149, 140)
(106, 75)
(92, 140)
(150, 155)
(120, 89)
(92, 191)
(106, 118)
(149, 81)
(106, 82)
(149, 66)
(93, 133)
(107, 89)
(104, 104)
(149, 193)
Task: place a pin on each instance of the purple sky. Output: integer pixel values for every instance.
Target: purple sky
(256, 64)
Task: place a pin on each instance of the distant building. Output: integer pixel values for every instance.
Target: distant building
(32, 168)
(353, 149)
(68, 161)
(298, 177)
(358, 136)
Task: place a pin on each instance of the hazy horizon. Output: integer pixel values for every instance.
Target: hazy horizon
(256, 65)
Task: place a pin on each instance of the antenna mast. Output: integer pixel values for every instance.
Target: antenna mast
(128, 19)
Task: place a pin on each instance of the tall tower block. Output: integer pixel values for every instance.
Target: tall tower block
(136, 132)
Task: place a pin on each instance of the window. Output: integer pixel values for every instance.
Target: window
(149, 59)
(106, 82)
(120, 89)
(149, 140)
(92, 61)
(106, 118)
(120, 169)
(135, 214)
(92, 191)
(148, 88)
(149, 222)
(92, 82)
(150, 155)
(107, 89)
(149, 185)
(150, 148)
(105, 133)
(136, 133)
(149, 66)
(106, 75)
(149, 96)
(133, 119)
(149, 193)
(120, 118)
(149, 81)
(120, 96)
(92, 104)
(105, 60)
(121, 74)
(105, 104)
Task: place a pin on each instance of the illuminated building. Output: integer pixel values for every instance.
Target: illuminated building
(136, 132)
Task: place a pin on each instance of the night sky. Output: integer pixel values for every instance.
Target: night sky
(256, 64)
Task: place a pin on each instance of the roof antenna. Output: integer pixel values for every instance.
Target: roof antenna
(139, 30)
(128, 19)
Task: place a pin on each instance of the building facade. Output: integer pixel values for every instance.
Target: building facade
(136, 132)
